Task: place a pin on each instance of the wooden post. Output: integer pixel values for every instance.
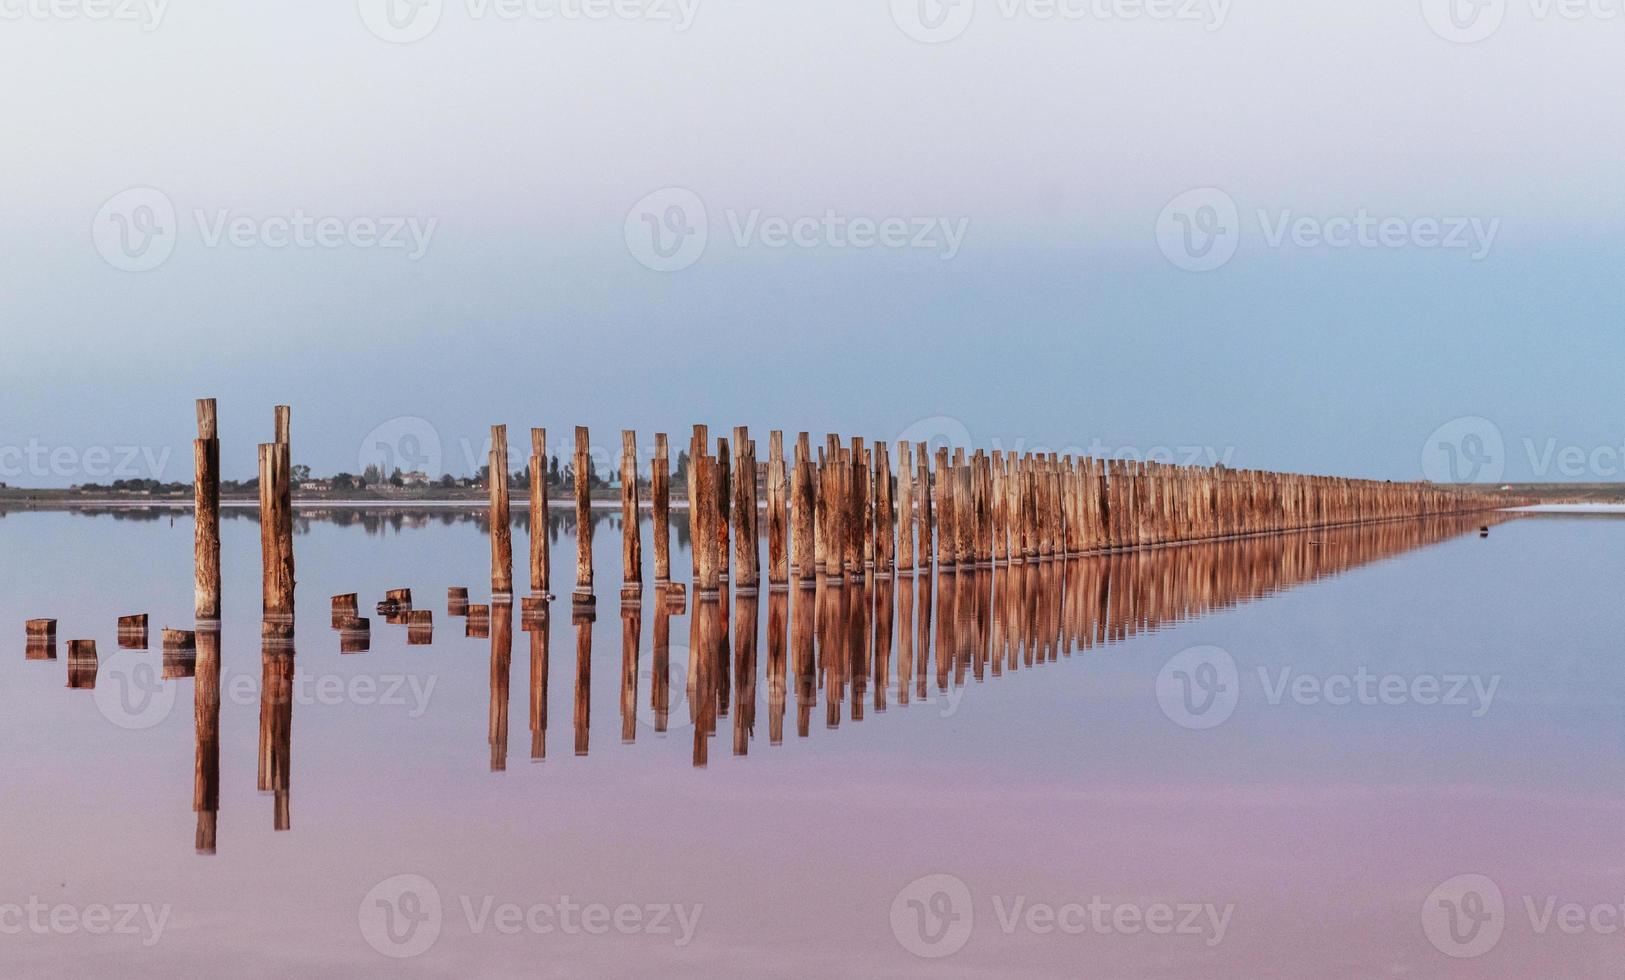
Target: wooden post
(803, 547)
(723, 499)
(540, 558)
(704, 516)
(206, 512)
(905, 508)
(501, 524)
(746, 553)
(778, 552)
(583, 491)
(922, 490)
(660, 490)
(631, 535)
(276, 528)
(948, 534)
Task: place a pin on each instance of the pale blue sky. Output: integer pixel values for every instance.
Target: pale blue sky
(1053, 145)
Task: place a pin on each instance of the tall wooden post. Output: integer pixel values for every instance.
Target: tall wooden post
(276, 525)
(583, 491)
(747, 554)
(501, 521)
(905, 508)
(540, 559)
(724, 501)
(206, 512)
(803, 547)
(660, 489)
(631, 539)
(922, 490)
(778, 552)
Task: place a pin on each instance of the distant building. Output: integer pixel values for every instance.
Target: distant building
(416, 478)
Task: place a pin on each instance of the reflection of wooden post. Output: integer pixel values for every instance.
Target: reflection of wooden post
(539, 637)
(501, 674)
(778, 616)
(583, 491)
(206, 512)
(82, 664)
(745, 613)
(778, 550)
(660, 667)
(276, 721)
(540, 559)
(660, 489)
(206, 725)
(583, 620)
(631, 637)
(631, 538)
(501, 524)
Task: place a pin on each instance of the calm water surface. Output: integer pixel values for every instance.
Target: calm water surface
(1253, 759)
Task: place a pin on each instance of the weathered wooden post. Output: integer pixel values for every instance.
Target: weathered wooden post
(631, 537)
(922, 491)
(583, 490)
(540, 558)
(905, 508)
(276, 521)
(704, 516)
(206, 512)
(501, 524)
(803, 547)
(778, 551)
(723, 499)
(660, 490)
(747, 555)
(947, 533)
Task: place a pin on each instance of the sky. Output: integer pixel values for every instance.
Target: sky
(1378, 240)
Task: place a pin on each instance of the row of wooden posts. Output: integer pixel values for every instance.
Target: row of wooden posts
(846, 510)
